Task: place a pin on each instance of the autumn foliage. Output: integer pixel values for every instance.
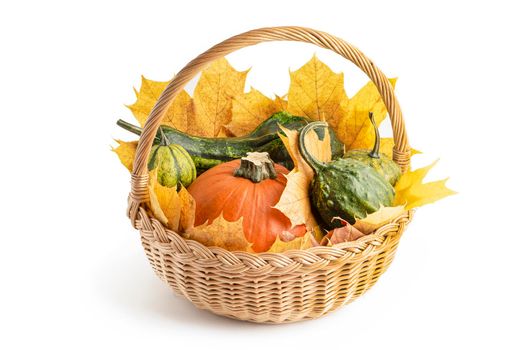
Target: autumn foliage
(220, 106)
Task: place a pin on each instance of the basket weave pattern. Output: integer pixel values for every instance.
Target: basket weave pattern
(267, 287)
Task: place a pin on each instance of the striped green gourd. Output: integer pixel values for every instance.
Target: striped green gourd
(174, 165)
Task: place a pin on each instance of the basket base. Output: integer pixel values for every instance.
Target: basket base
(271, 288)
(318, 307)
(291, 298)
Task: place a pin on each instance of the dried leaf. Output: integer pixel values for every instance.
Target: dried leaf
(187, 213)
(294, 201)
(354, 128)
(249, 110)
(220, 233)
(411, 192)
(164, 202)
(296, 243)
(317, 92)
(214, 94)
(379, 218)
(346, 233)
(126, 153)
(180, 114)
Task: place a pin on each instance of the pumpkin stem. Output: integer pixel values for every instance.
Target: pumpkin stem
(312, 161)
(256, 166)
(375, 152)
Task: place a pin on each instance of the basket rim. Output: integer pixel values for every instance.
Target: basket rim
(317, 257)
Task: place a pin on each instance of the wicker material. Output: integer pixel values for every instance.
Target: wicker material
(266, 287)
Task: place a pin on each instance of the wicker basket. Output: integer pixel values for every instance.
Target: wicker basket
(266, 287)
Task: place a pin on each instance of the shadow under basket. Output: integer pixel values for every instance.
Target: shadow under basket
(267, 287)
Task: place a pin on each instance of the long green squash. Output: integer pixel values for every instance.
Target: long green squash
(208, 152)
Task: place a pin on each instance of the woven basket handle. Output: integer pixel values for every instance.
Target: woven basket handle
(139, 177)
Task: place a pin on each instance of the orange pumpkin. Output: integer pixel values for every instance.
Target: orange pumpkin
(248, 189)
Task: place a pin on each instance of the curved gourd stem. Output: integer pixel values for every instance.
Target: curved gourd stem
(257, 167)
(312, 161)
(375, 153)
(164, 141)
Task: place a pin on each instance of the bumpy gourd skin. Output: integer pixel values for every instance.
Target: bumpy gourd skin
(345, 187)
(349, 189)
(174, 165)
(383, 165)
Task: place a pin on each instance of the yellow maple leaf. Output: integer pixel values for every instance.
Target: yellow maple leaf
(386, 147)
(249, 110)
(146, 98)
(412, 192)
(317, 92)
(214, 94)
(281, 103)
(164, 202)
(220, 233)
(379, 218)
(354, 128)
(180, 114)
(294, 201)
(126, 152)
(297, 243)
(221, 108)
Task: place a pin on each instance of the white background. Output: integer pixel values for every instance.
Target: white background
(73, 273)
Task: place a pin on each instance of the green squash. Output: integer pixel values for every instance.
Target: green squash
(345, 187)
(210, 151)
(174, 165)
(384, 165)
